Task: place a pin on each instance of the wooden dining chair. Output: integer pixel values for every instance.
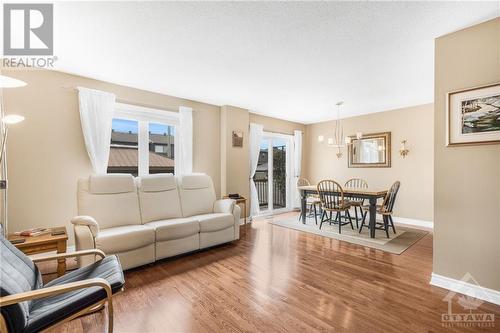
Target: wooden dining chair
(332, 200)
(356, 203)
(385, 210)
(311, 200)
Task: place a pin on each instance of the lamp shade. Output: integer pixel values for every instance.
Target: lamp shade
(9, 82)
(12, 119)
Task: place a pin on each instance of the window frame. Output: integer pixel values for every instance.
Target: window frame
(144, 116)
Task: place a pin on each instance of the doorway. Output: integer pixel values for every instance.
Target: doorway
(272, 178)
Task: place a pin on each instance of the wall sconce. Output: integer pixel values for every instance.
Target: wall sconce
(321, 138)
(403, 151)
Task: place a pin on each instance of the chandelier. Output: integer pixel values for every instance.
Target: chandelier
(338, 141)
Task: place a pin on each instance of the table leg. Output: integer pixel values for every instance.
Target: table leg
(61, 263)
(373, 215)
(303, 206)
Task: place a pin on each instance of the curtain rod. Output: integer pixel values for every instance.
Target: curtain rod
(272, 132)
(124, 101)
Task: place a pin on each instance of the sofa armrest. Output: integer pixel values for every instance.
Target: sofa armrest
(88, 221)
(224, 206)
(86, 230)
(230, 206)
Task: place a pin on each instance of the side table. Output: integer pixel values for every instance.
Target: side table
(44, 243)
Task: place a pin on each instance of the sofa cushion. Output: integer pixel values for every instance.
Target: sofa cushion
(125, 238)
(106, 202)
(215, 221)
(197, 194)
(159, 197)
(175, 228)
(111, 183)
(157, 182)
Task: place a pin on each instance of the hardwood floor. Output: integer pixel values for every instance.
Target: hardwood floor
(281, 280)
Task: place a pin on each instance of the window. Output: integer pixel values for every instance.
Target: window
(161, 137)
(142, 140)
(123, 152)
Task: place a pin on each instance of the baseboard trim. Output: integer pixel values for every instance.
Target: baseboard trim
(466, 288)
(414, 222)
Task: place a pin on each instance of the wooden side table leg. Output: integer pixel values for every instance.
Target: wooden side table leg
(61, 263)
(245, 205)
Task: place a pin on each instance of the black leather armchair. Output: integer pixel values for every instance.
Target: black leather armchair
(29, 306)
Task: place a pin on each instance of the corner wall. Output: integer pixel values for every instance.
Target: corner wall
(467, 179)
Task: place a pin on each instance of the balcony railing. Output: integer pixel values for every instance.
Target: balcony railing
(279, 193)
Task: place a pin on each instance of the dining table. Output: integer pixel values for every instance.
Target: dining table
(372, 194)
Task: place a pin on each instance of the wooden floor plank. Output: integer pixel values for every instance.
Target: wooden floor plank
(276, 279)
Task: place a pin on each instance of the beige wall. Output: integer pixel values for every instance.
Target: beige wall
(234, 160)
(46, 153)
(415, 198)
(467, 179)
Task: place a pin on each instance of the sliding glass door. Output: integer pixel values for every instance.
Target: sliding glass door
(272, 177)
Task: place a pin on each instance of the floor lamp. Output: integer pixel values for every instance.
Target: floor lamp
(6, 121)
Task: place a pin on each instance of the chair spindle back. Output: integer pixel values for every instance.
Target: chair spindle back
(390, 197)
(355, 183)
(331, 194)
(303, 182)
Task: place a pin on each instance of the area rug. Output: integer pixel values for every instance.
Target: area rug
(396, 243)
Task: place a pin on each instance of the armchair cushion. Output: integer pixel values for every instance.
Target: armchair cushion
(17, 274)
(47, 311)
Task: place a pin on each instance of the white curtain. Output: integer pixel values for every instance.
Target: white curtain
(256, 133)
(297, 160)
(184, 156)
(96, 116)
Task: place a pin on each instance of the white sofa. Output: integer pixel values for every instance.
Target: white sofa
(151, 217)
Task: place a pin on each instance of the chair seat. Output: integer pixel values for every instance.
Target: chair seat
(346, 204)
(125, 238)
(380, 209)
(312, 200)
(175, 228)
(215, 221)
(47, 311)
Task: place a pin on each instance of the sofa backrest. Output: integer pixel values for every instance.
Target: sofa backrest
(197, 194)
(159, 197)
(111, 199)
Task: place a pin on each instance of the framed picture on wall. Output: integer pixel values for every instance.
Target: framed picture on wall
(237, 139)
(473, 116)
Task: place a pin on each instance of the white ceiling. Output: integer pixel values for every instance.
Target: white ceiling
(287, 60)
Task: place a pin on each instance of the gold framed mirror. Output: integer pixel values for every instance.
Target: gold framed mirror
(371, 151)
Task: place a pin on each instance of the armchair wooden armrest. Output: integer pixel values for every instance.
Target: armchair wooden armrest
(70, 255)
(56, 290)
(61, 289)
